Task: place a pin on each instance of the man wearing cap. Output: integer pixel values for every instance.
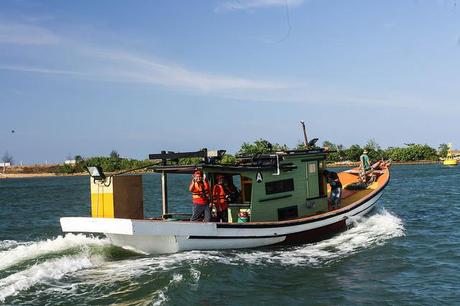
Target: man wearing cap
(364, 161)
(199, 188)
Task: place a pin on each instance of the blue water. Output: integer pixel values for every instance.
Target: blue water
(406, 253)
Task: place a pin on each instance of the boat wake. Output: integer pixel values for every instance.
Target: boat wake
(367, 232)
(25, 264)
(79, 261)
(43, 272)
(17, 252)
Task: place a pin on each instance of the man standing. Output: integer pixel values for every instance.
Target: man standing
(365, 164)
(336, 188)
(220, 198)
(199, 188)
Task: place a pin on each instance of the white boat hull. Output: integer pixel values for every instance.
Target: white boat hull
(156, 236)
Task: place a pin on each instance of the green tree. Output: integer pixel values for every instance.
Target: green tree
(353, 153)
(114, 154)
(261, 146)
(7, 158)
(374, 151)
(331, 146)
(443, 149)
(78, 159)
(335, 154)
(228, 159)
(413, 152)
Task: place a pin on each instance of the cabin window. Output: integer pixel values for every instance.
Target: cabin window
(287, 213)
(279, 186)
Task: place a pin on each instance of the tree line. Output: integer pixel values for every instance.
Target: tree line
(338, 153)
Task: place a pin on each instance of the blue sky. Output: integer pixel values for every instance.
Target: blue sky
(86, 77)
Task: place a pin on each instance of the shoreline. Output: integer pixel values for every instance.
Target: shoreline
(331, 165)
(38, 175)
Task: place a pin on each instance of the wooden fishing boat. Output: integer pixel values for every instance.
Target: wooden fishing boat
(285, 195)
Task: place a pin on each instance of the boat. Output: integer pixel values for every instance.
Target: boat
(449, 160)
(284, 199)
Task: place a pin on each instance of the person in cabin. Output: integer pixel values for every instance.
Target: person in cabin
(199, 187)
(220, 198)
(233, 194)
(336, 188)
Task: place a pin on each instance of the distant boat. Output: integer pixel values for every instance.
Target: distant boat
(284, 199)
(450, 161)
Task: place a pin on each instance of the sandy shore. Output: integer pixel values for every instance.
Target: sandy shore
(34, 175)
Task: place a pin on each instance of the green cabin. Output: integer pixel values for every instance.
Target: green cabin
(273, 187)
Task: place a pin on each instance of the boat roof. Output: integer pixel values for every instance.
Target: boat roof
(245, 162)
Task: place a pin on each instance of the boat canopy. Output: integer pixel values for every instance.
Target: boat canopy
(273, 186)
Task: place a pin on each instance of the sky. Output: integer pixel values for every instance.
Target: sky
(88, 77)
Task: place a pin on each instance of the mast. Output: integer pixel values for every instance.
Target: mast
(305, 140)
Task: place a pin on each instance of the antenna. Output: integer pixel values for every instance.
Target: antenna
(305, 140)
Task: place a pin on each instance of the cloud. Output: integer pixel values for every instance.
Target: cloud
(136, 68)
(39, 70)
(119, 66)
(255, 4)
(24, 34)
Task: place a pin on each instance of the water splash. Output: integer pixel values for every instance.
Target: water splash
(49, 270)
(366, 233)
(26, 251)
(8, 244)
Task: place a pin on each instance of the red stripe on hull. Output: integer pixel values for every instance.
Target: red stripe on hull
(316, 234)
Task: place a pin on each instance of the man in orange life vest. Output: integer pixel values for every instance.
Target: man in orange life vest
(199, 188)
(220, 199)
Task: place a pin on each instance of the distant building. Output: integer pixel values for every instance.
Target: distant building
(4, 165)
(456, 154)
(71, 162)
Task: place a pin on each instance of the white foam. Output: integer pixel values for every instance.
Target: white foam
(48, 270)
(161, 298)
(8, 244)
(21, 253)
(367, 232)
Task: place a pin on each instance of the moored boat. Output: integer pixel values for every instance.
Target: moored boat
(284, 195)
(449, 160)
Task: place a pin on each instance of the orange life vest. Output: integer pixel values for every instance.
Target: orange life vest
(219, 197)
(200, 196)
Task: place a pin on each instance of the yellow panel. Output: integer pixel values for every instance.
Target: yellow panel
(102, 205)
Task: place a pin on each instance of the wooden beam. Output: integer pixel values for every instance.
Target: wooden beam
(171, 155)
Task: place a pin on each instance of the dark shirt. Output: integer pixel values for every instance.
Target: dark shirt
(334, 181)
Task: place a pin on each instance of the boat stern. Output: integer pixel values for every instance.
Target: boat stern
(97, 225)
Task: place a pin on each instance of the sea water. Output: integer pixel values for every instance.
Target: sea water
(407, 252)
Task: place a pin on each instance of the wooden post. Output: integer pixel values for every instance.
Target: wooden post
(304, 134)
(164, 191)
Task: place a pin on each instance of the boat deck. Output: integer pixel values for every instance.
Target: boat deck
(351, 196)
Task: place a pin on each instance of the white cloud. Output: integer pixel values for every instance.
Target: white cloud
(23, 34)
(38, 70)
(116, 66)
(136, 68)
(236, 5)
